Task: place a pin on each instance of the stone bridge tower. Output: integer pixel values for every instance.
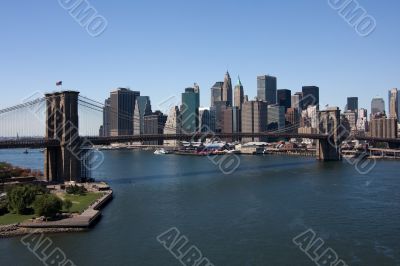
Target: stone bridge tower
(329, 123)
(62, 163)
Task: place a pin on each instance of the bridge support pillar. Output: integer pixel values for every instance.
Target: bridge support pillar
(327, 152)
(62, 163)
(329, 124)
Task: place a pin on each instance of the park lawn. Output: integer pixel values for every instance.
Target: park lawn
(11, 218)
(80, 203)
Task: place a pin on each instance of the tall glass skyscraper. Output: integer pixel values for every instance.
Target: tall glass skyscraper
(285, 98)
(352, 104)
(267, 89)
(190, 110)
(310, 97)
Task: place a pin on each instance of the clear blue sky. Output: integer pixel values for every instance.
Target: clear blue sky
(160, 47)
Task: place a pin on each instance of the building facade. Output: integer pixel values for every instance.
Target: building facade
(254, 119)
(394, 104)
(142, 108)
(122, 105)
(190, 111)
(310, 97)
(227, 90)
(267, 89)
(377, 106)
(239, 94)
(285, 98)
(154, 124)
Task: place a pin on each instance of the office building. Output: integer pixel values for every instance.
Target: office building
(206, 120)
(394, 104)
(267, 89)
(153, 125)
(276, 117)
(122, 104)
(310, 97)
(362, 121)
(377, 106)
(292, 117)
(216, 93)
(142, 108)
(254, 119)
(296, 101)
(227, 90)
(383, 127)
(285, 98)
(239, 94)
(352, 104)
(190, 111)
(106, 128)
(351, 117)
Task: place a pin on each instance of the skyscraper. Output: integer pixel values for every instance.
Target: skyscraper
(296, 101)
(239, 94)
(106, 129)
(276, 117)
(377, 106)
(154, 124)
(266, 89)
(216, 93)
(394, 104)
(352, 104)
(122, 104)
(190, 111)
(227, 89)
(142, 108)
(310, 97)
(254, 118)
(207, 123)
(285, 98)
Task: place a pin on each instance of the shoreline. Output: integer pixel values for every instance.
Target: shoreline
(79, 223)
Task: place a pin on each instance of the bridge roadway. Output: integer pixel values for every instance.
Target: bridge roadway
(45, 143)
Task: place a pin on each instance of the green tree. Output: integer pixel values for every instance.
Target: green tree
(20, 198)
(67, 205)
(48, 205)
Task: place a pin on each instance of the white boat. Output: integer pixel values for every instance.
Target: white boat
(161, 152)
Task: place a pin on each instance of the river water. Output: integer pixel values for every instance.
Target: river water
(249, 217)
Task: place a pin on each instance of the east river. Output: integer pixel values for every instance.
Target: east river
(249, 217)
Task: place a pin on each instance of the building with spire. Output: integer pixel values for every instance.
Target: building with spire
(239, 94)
(227, 90)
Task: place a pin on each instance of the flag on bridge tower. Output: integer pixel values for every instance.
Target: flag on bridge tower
(59, 83)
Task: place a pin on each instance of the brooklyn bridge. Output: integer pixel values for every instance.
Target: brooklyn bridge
(61, 116)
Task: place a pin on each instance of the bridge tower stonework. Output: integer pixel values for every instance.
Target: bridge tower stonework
(62, 163)
(329, 123)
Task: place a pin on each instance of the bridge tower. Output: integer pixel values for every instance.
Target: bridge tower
(62, 163)
(329, 123)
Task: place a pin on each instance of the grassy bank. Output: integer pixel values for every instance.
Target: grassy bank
(10, 218)
(82, 202)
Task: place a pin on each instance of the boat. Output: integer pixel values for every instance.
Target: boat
(26, 151)
(161, 152)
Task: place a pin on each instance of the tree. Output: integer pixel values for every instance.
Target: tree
(76, 190)
(48, 205)
(21, 197)
(67, 205)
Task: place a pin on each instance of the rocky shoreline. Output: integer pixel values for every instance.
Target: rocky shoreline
(14, 230)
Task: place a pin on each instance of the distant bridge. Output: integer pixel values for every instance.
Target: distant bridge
(63, 145)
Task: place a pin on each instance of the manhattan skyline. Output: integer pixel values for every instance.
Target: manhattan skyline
(303, 44)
